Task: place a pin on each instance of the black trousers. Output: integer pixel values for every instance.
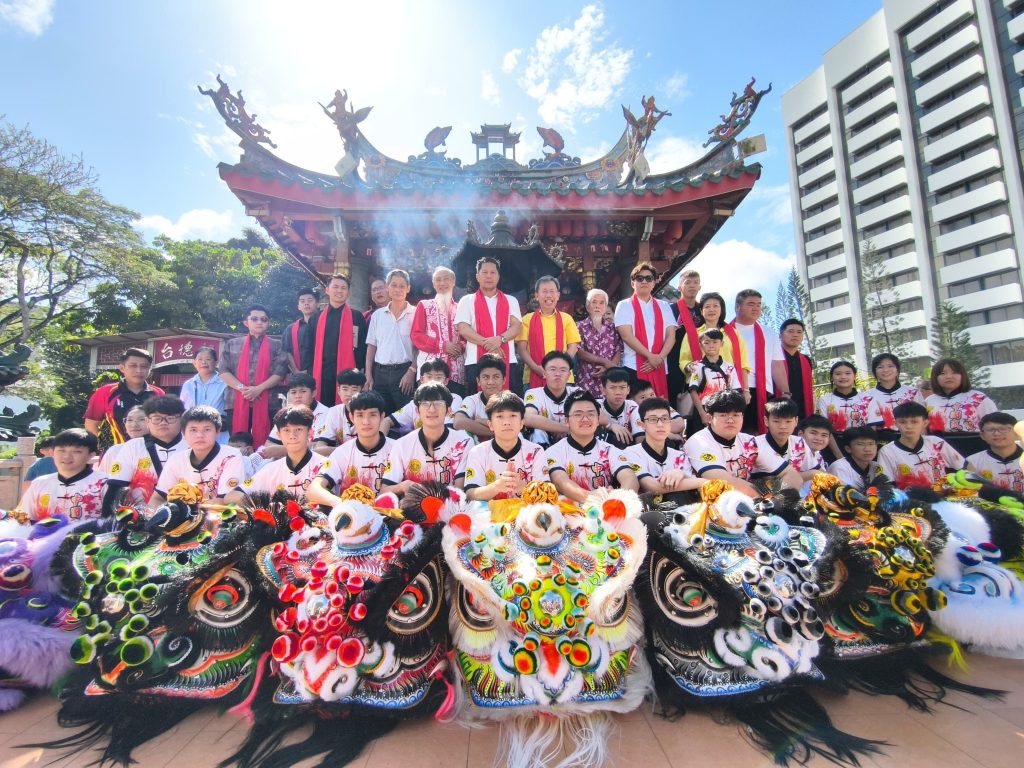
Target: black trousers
(515, 373)
(750, 415)
(385, 382)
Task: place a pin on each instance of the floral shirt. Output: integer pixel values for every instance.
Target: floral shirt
(487, 460)
(605, 343)
(884, 400)
(412, 459)
(958, 413)
(847, 411)
(924, 464)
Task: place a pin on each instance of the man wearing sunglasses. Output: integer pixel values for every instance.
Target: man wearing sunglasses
(252, 365)
(648, 329)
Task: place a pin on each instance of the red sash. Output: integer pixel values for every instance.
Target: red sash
(295, 344)
(686, 320)
(760, 376)
(346, 356)
(537, 350)
(807, 380)
(486, 328)
(240, 422)
(658, 378)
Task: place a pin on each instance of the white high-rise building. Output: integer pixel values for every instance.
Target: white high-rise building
(911, 135)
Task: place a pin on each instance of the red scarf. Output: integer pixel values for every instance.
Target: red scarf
(686, 320)
(537, 351)
(760, 376)
(346, 356)
(486, 328)
(807, 380)
(295, 344)
(240, 422)
(658, 378)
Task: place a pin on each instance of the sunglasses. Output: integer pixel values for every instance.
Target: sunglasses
(255, 319)
(644, 279)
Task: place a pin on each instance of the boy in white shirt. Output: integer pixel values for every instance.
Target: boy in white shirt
(404, 419)
(216, 469)
(643, 390)
(361, 460)
(75, 490)
(141, 460)
(301, 391)
(338, 428)
(1000, 464)
(721, 451)
(658, 468)
(623, 414)
(916, 458)
(581, 463)
(858, 468)
(545, 405)
(471, 416)
(711, 373)
(781, 416)
(294, 471)
(816, 431)
(502, 467)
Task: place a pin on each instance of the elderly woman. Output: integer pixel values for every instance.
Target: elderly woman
(433, 330)
(601, 345)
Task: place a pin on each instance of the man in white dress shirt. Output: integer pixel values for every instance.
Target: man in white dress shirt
(390, 361)
(489, 321)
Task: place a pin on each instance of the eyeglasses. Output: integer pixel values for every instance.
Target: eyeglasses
(259, 319)
(433, 404)
(163, 419)
(644, 279)
(656, 421)
(997, 430)
(585, 415)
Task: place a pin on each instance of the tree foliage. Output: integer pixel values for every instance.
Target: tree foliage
(792, 300)
(950, 337)
(883, 329)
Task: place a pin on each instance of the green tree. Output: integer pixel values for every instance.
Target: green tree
(950, 337)
(793, 300)
(59, 237)
(883, 330)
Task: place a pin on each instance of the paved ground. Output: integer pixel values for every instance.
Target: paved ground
(979, 733)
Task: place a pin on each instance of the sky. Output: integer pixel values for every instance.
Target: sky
(115, 82)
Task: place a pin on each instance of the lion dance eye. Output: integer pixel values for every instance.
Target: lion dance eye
(226, 602)
(682, 599)
(418, 606)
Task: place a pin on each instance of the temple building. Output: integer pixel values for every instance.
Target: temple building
(592, 221)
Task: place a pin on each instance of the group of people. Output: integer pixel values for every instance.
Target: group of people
(653, 397)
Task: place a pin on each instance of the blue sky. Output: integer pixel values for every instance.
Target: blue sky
(116, 82)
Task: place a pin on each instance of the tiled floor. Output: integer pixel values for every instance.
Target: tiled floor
(973, 733)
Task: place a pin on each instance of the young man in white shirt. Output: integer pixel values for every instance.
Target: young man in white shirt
(293, 472)
(623, 414)
(648, 329)
(471, 415)
(581, 463)
(544, 405)
(1000, 463)
(766, 372)
(859, 467)
(216, 469)
(489, 321)
(721, 451)
(432, 452)
(782, 416)
(404, 420)
(75, 490)
(915, 458)
(141, 460)
(658, 468)
(361, 460)
(301, 391)
(390, 360)
(338, 429)
(502, 467)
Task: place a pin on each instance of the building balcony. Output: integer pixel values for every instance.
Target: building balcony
(947, 49)
(820, 147)
(976, 165)
(877, 159)
(996, 332)
(891, 180)
(1006, 375)
(972, 234)
(823, 242)
(939, 22)
(1016, 28)
(804, 132)
(969, 201)
(836, 288)
(870, 107)
(901, 234)
(828, 265)
(911, 290)
(839, 338)
(875, 77)
(947, 113)
(843, 312)
(902, 263)
(999, 296)
(1000, 261)
(977, 131)
(821, 219)
(819, 195)
(947, 81)
(888, 125)
(817, 172)
(884, 211)
(907, 321)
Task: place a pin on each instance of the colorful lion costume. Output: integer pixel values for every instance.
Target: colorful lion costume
(546, 636)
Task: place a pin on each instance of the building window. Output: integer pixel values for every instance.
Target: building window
(831, 277)
(835, 301)
(1009, 277)
(971, 184)
(1002, 352)
(997, 315)
(828, 253)
(878, 173)
(967, 220)
(835, 326)
(885, 226)
(873, 120)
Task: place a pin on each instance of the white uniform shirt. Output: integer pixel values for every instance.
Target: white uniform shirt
(391, 337)
(77, 498)
(1006, 473)
(624, 316)
(545, 404)
(337, 428)
(646, 463)
(959, 413)
(218, 474)
(740, 458)
(282, 475)
(883, 401)
(474, 407)
(487, 460)
(852, 475)
(316, 432)
(349, 464)
(410, 460)
(772, 353)
(797, 452)
(706, 381)
(141, 460)
(925, 464)
(847, 411)
(589, 466)
(465, 312)
(406, 419)
(628, 416)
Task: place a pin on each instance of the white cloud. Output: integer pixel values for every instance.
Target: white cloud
(200, 224)
(219, 145)
(732, 265)
(226, 70)
(667, 152)
(510, 60)
(570, 74)
(675, 87)
(772, 204)
(31, 16)
(489, 88)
